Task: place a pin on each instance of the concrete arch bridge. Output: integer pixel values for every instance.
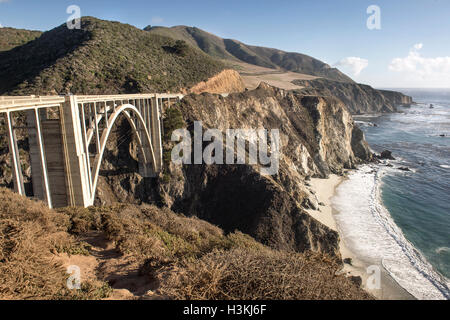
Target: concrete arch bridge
(67, 139)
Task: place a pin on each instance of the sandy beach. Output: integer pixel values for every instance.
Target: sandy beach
(325, 190)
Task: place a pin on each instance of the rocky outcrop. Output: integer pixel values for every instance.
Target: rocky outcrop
(358, 98)
(397, 98)
(386, 154)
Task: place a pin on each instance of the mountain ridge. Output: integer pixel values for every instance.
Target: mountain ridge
(314, 76)
(234, 50)
(103, 57)
(11, 37)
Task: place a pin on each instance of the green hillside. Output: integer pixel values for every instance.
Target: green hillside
(237, 51)
(103, 57)
(11, 38)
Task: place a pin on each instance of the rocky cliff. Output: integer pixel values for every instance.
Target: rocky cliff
(358, 98)
(397, 98)
(318, 137)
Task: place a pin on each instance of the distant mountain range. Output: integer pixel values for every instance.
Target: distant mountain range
(105, 57)
(234, 50)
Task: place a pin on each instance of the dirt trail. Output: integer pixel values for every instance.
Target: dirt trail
(105, 263)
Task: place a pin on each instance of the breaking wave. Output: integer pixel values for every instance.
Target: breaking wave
(370, 232)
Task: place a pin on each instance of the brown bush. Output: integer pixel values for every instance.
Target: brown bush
(29, 234)
(188, 257)
(243, 274)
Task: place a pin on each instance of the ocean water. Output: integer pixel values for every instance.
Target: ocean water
(401, 219)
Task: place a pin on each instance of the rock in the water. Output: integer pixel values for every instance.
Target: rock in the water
(404, 169)
(386, 154)
(348, 261)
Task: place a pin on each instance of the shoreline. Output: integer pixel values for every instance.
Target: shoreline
(325, 190)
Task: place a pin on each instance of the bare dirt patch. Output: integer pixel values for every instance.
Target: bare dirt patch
(253, 75)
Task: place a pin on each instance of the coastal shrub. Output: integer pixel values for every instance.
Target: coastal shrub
(245, 274)
(185, 257)
(181, 47)
(173, 120)
(30, 235)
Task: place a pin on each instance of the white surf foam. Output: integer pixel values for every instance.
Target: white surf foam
(442, 250)
(368, 230)
(445, 166)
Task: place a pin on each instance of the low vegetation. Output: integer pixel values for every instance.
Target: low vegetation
(187, 257)
(103, 57)
(11, 38)
(233, 50)
(30, 236)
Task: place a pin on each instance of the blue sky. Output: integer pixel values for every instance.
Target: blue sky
(412, 48)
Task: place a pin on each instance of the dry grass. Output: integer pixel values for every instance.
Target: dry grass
(192, 259)
(244, 274)
(188, 257)
(154, 236)
(30, 235)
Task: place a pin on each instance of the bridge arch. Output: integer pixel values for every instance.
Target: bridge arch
(147, 152)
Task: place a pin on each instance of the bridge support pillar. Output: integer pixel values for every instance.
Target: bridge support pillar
(156, 130)
(76, 171)
(39, 172)
(15, 156)
(145, 169)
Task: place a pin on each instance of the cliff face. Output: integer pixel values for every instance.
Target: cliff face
(397, 97)
(317, 135)
(358, 98)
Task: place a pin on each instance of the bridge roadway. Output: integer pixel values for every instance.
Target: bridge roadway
(67, 138)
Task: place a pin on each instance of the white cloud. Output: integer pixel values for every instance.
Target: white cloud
(420, 69)
(353, 64)
(1, 26)
(157, 20)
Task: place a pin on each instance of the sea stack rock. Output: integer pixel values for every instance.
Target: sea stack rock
(386, 154)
